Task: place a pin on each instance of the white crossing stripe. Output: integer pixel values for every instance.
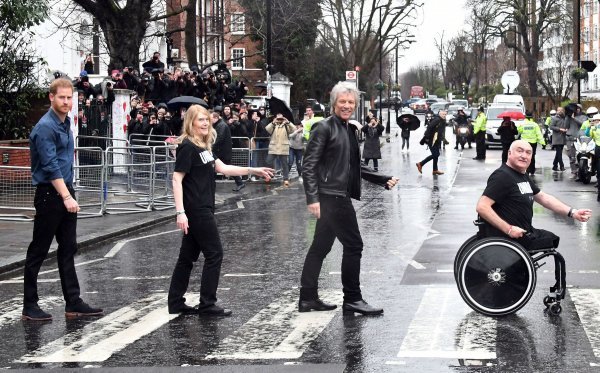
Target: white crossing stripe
(56, 269)
(20, 281)
(416, 264)
(11, 309)
(240, 204)
(278, 331)
(587, 303)
(444, 327)
(119, 245)
(100, 339)
(141, 277)
(245, 274)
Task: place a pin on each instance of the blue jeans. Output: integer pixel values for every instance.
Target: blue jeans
(435, 154)
(296, 154)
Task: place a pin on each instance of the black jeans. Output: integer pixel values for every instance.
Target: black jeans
(52, 220)
(338, 219)
(558, 161)
(505, 148)
(531, 168)
(480, 144)
(296, 154)
(202, 236)
(435, 154)
(375, 163)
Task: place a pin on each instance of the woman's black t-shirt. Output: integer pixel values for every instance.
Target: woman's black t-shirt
(513, 194)
(199, 184)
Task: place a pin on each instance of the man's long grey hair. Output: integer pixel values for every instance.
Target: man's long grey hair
(341, 88)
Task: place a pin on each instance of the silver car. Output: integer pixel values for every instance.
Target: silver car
(493, 122)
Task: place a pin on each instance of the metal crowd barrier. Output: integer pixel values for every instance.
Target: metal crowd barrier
(128, 184)
(162, 187)
(147, 140)
(89, 181)
(16, 191)
(103, 142)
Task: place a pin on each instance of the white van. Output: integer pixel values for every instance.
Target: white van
(493, 122)
(509, 100)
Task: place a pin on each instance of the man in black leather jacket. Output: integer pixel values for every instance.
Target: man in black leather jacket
(331, 173)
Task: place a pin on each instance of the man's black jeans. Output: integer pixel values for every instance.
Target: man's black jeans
(52, 219)
(338, 219)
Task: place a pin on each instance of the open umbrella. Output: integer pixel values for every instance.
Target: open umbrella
(516, 115)
(413, 121)
(277, 106)
(185, 101)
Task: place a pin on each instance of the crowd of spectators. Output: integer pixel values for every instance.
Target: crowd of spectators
(152, 119)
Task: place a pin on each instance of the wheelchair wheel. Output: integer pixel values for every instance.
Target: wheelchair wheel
(460, 253)
(496, 276)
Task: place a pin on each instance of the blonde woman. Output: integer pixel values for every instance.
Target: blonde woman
(194, 193)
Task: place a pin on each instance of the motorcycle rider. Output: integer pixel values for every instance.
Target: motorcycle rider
(594, 132)
(590, 112)
(549, 118)
(460, 120)
(530, 132)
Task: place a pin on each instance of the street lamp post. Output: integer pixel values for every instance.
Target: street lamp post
(380, 82)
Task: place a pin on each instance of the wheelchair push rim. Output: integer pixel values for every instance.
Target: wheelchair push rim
(496, 276)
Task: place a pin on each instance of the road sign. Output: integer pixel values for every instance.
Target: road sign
(350, 75)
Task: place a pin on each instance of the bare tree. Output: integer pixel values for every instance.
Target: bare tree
(460, 66)
(358, 34)
(554, 75)
(480, 35)
(529, 19)
(441, 48)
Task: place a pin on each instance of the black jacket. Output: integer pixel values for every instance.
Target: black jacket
(326, 166)
(222, 146)
(434, 133)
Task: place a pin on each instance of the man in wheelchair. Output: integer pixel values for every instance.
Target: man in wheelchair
(495, 270)
(507, 203)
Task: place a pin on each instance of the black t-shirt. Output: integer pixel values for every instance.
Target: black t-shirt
(513, 195)
(199, 184)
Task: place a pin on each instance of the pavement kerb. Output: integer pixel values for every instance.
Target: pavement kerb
(150, 219)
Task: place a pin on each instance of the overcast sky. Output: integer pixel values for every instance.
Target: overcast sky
(434, 17)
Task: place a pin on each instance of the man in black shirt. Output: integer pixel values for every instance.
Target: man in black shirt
(507, 202)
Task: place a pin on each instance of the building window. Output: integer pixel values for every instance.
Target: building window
(238, 22)
(237, 58)
(595, 32)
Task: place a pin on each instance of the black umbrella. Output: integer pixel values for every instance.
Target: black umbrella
(277, 106)
(413, 121)
(185, 101)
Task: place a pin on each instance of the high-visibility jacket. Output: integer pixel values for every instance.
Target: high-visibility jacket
(584, 126)
(306, 126)
(480, 122)
(548, 120)
(594, 133)
(530, 132)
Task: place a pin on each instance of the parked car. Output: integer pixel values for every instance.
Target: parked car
(463, 103)
(254, 102)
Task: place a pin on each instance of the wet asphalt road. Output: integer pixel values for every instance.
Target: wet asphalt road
(411, 235)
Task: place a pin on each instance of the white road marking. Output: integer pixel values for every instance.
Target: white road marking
(581, 272)
(416, 264)
(395, 363)
(278, 331)
(141, 278)
(430, 236)
(445, 328)
(445, 270)
(100, 339)
(11, 309)
(56, 269)
(240, 204)
(119, 245)
(245, 274)
(20, 281)
(587, 303)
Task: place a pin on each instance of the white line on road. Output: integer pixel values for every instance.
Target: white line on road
(11, 309)
(278, 331)
(444, 270)
(56, 269)
(119, 245)
(587, 303)
(245, 274)
(141, 278)
(416, 264)
(20, 281)
(443, 328)
(240, 204)
(100, 339)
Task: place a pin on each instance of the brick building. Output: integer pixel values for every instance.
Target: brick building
(222, 35)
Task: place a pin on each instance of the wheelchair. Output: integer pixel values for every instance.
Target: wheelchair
(497, 276)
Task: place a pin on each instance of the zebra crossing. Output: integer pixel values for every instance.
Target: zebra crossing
(442, 327)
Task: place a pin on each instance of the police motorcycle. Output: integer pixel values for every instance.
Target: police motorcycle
(585, 149)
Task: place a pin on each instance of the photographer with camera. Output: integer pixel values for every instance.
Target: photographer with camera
(279, 146)
(159, 86)
(153, 63)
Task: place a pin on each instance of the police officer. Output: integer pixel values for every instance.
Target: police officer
(590, 112)
(530, 132)
(479, 132)
(460, 121)
(594, 132)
